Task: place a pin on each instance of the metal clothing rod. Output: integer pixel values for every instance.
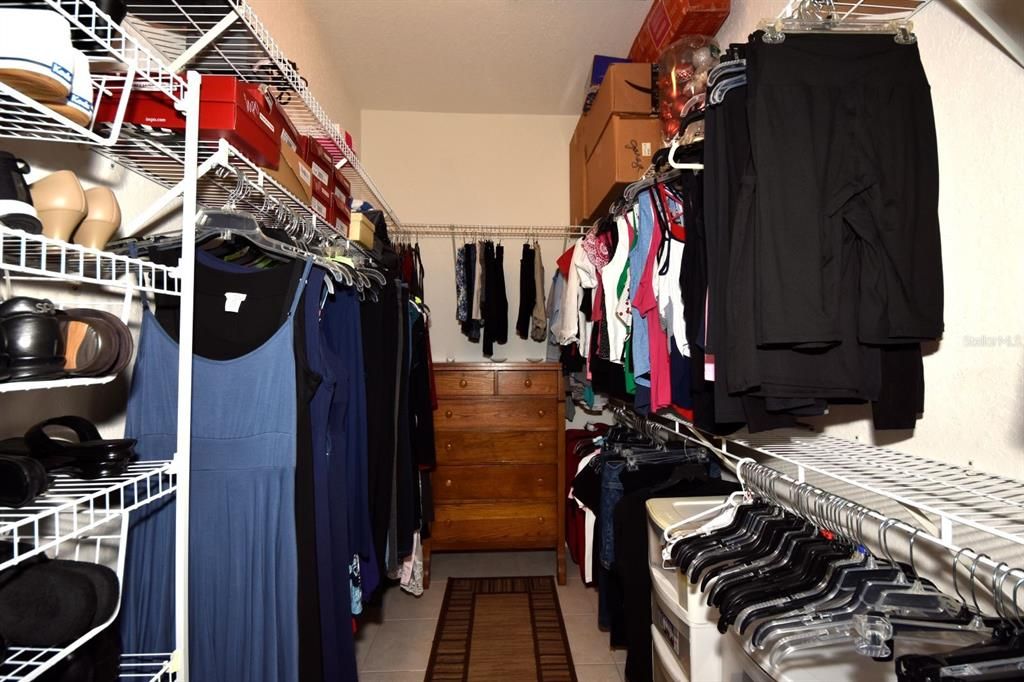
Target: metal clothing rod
(846, 519)
(820, 506)
(451, 230)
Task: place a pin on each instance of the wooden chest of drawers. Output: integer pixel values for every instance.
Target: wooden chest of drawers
(500, 437)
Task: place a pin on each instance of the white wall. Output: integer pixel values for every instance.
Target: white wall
(974, 411)
(303, 36)
(472, 169)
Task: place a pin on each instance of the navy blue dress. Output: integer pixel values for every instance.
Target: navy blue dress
(243, 619)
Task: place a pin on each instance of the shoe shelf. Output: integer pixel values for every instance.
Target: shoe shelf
(35, 254)
(106, 547)
(72, 508)
(146, 668)
(23, 662)
(229, 39)
(118, 62)
(15, 386)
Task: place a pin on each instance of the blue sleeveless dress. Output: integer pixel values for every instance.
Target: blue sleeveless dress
(243, 618)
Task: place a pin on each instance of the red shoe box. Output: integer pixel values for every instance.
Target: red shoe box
(322, 165)
(322, 208)
(668, 20)
(229, 108)
(342, 187)
(341, 216)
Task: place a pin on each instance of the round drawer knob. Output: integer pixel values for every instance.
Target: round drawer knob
(540, 445)
(448, 483)
(540, 519)
(540, 481)
(527, 383)
(447, 522)
(463, 383)
(448, 413)
(448, 445)
(540, 413)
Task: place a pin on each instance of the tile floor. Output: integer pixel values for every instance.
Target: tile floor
(394, 643)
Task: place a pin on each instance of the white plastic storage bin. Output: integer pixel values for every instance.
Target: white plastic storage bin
(693, 650)
(686, 643)
(665, 512)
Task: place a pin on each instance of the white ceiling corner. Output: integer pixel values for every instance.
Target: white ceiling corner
(473, 56)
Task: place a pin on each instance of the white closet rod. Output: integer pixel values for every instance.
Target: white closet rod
(793, 494)
(454, 230)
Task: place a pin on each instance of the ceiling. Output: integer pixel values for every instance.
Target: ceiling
(473, 56)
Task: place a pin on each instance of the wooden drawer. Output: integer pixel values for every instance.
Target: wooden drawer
(525, 382)
(464, 382)
(495, 482)
(477, 447)
(499, 414)
(494, 525)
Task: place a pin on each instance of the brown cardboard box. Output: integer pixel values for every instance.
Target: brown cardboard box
(361, 230)
(293, 173)
(616, 96)
(577, 177)
(622, 156)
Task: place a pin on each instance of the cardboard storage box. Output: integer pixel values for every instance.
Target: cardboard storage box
(598, 68)
(361, 230)
(669, 20)
(292, 172)
(577, 177)
(229, 108)
(621, 156)
(621, 92)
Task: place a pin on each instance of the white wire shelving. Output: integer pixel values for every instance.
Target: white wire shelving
(960, 502)
(16, 386)
(261, 196)
(957, 496)
(229, 39)
(34, 254)
(81, 520)
(263, 193)
(118, 63)
(73, 507)
(22, 662)
(146, 668)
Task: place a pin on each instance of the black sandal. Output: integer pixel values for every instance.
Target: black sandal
(91, 457)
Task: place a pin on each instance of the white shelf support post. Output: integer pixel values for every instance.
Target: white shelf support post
(194, 50)
(187, 271)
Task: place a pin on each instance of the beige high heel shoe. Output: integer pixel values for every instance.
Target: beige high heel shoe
(60, 201)
(102, 220)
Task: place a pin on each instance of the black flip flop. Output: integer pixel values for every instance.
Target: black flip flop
(90, 457)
